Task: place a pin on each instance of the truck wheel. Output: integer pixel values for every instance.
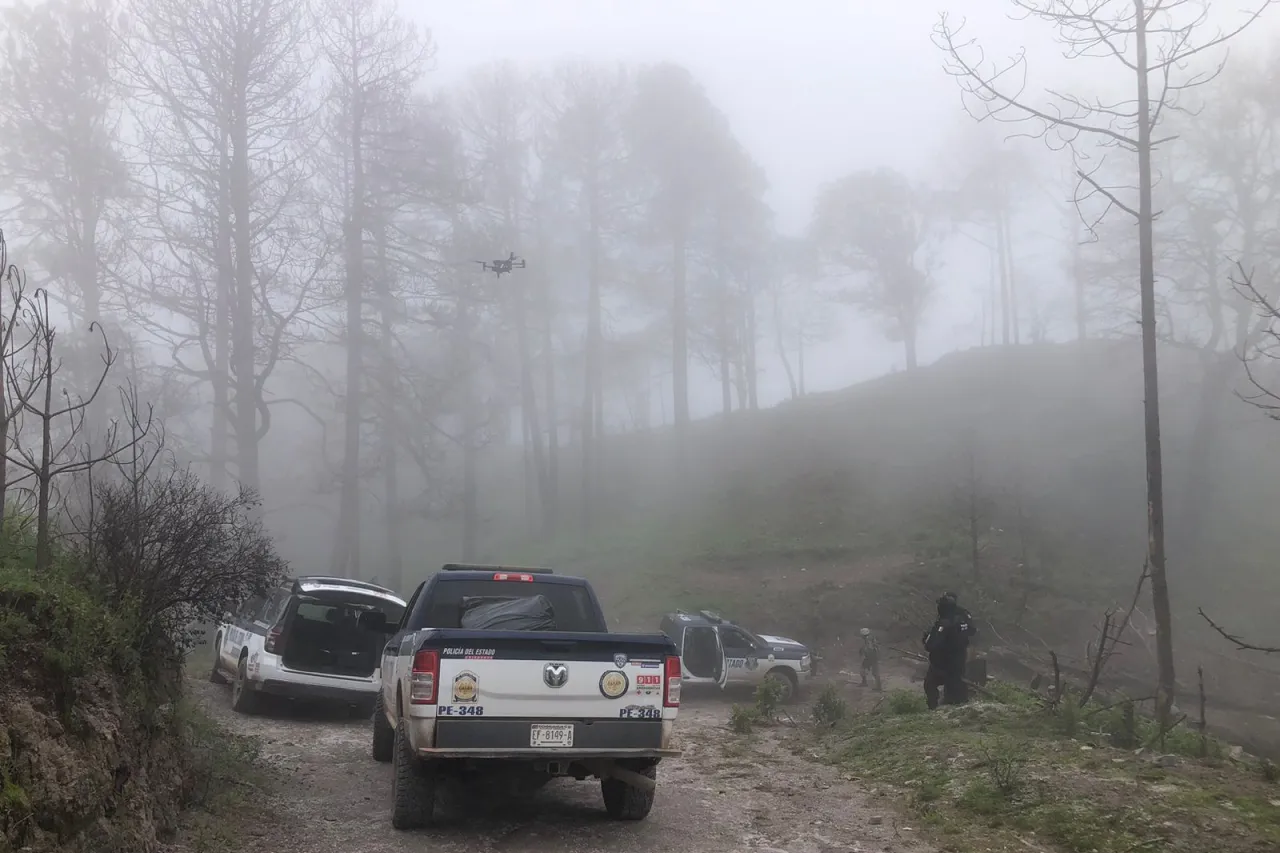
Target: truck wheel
(623, 802)
(787, 681)
(215, 674)
(384, 737)
(413, 786)
(243, 699)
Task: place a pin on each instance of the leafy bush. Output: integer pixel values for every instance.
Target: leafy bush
(830, 707)
(768, 699)
(1068, 713)
(742, 719)
(902, 701)
(1005, 762)
(50, 626)
(176, 551)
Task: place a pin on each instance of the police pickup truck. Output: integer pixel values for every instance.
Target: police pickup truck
(511, 673)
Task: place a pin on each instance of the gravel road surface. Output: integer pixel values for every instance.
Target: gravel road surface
(727, 794)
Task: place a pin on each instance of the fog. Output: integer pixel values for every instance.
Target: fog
(726, 213)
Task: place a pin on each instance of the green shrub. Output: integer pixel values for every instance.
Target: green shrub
(51, 626)
(1006, 764)
(902, 701)
(742, 719)
(1067, 714)
(830, 707)
(768, 699)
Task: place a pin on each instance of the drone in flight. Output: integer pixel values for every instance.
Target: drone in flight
(503, 265)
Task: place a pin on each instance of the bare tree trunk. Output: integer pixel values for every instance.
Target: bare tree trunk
(1078, 283)
(394, 559)
(225, 283)
(44, 552)
(679, 340)
(470, 426)
(529, 407)
(781, 344)
(909, 334)
(551, 511)
(246, 391)
(800, 362)
(1013, 281)
(1004, 280)
(722, 344)
(1162, 610)
(346, 551)
(593, 375)
(5, 355)
(753, 395)
(991, 304)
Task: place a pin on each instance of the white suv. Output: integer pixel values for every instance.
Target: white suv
(306, 640)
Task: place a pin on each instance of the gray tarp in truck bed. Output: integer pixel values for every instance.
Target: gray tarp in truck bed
(531, 613)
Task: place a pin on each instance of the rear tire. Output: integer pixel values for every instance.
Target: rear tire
(215, 674)
(384, 737)
(413, 786)
(244, 700)
(623, 802)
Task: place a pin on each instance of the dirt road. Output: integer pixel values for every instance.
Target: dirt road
(727, 794)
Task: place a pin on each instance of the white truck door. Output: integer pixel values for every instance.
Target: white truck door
(722, 671)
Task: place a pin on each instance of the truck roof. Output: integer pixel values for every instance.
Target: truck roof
(477, 574)
(702, 617)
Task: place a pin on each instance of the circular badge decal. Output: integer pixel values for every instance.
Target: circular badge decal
(464, 687)
(614, 684)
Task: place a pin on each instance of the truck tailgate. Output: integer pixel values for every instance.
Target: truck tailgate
(527, 676)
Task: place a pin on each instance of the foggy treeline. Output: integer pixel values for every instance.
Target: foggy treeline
(276, 213)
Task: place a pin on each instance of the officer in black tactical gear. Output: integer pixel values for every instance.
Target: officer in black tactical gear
(947, 645)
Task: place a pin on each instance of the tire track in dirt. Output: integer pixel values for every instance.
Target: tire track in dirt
(726, 794)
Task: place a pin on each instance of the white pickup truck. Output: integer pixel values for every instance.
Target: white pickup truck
(512, 674)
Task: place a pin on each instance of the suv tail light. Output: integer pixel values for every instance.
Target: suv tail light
(425, 677)
(671, 694)
(508, 576)
(274, 645)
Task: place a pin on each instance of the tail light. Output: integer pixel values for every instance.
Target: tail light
(425, 677)
(508, 576)
(671, 695)
(274, 644)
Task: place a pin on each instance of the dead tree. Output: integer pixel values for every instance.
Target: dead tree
(1146, 37)
(1110, 637)
(1235, 639)
(13, 283)
(60, 422)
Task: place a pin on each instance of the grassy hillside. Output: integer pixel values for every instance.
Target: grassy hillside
(854, 507)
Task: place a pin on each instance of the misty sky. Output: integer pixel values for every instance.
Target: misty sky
(813, 89)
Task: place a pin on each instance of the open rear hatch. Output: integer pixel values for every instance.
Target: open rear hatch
(322, 633)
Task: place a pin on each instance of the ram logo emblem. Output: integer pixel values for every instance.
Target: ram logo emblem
(555, 674)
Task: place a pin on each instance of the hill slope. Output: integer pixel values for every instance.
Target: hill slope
(855, 506)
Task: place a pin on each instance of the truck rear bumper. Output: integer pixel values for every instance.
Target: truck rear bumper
(513, 735)
(322, 692)
(570, 754)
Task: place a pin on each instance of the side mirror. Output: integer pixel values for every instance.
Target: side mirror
(374, 621)
(226, 616)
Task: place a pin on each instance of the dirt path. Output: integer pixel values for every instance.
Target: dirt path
(726, 794)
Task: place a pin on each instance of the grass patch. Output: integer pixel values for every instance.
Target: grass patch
(1000, 773)
(228, 786)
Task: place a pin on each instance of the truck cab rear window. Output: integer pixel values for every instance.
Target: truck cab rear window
(571, 606)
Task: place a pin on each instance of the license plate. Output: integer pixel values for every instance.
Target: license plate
(556, 736)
